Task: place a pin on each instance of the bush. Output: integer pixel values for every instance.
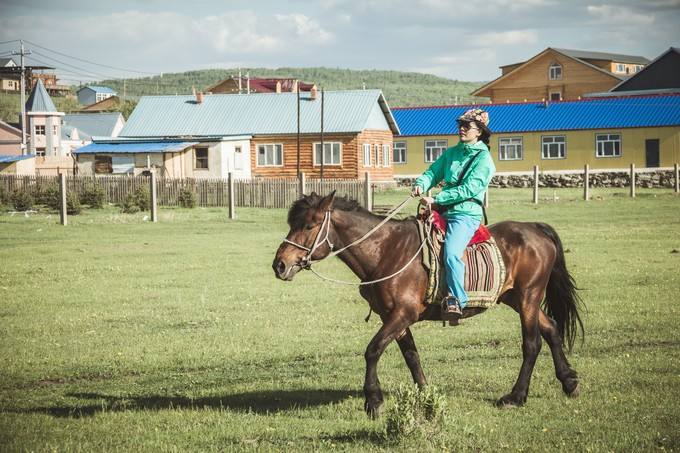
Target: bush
(187, 198)
(72, 203)
(4, 196)
(22, 200)
(49, 196)
(143, 198)
(93, 195)
(416, 412)
(129, 206)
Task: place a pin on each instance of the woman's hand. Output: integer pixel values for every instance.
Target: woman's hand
(427, 201)
(416, 191)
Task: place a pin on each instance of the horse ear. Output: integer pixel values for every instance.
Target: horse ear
(327, 202)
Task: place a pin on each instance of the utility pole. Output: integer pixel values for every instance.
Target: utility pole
(323, 151)
(23, 96)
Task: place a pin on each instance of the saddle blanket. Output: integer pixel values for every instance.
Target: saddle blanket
(484, 272)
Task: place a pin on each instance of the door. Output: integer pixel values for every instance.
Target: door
(652, 152)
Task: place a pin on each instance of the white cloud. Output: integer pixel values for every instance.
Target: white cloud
(619, 15)
(508, 38)
(303, 27)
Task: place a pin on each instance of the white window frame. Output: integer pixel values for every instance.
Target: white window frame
(55, 129)
(238, 157)
(399, 153)
(317, 148)
(207, 158)
(386, 148)
(277, 149)
(40, 129)
(546, 144)
(555, 71)
(513, 144)
(601, 141)
(620, 68)
(367, 154)
(376, 147)
(432, 147)
(559, 93)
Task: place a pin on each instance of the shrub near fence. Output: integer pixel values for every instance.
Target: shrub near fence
(257, 193)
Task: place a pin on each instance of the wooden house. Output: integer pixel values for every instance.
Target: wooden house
(560, 74)
(246, 85)
(606, 133)
(255, 135)
(662, 74)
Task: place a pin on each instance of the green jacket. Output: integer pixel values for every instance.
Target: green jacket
(448, 168)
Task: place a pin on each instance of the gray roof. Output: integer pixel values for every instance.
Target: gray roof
(258, 114)
(5, 61)
(587, 55)
(39, 100)
(89, 124)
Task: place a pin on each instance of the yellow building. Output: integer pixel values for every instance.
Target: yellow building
(606, 133)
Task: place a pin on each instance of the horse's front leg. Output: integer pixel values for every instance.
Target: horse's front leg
(410, 353)
(393, 325)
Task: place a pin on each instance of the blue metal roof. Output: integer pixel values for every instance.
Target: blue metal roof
(258, 113)
(99, 89)
(4, 159)
(139, 147)
(94, 123)
(39, 100)
(599, 113)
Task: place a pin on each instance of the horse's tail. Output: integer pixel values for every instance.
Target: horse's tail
(562, 301)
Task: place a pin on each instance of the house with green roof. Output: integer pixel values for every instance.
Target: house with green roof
(252, 136)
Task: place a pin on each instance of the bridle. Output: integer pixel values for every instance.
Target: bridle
(306, 262)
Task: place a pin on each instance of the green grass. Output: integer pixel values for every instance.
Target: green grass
(119, 334)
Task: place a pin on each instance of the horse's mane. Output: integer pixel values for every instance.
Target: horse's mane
(296, 214)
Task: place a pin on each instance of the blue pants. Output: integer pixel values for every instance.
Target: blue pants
(459, 231)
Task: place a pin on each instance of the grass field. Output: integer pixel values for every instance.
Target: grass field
(119, 334)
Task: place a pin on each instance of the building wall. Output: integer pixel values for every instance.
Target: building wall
(10, 85)
(533, 83)
(10, 141)
(580, 150)
(22, 167)
(351, 167)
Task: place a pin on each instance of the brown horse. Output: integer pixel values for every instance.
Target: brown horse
(534, 260)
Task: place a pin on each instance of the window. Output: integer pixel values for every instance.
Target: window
(270, 155)
(399, 156)
(377, 155)
(434, 149)
(40, 152)
(638, 67)
(555, 71)
(556, 96)
(103, 164)
(620, 68)
(39, 130)
(201, 161)
(608, 145)
(55, 130)
(238, 158)
(510, 148)
(386, 155)
(331, 153)
(367, 155)
(554, 147)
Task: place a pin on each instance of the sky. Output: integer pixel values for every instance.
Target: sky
(453, 39)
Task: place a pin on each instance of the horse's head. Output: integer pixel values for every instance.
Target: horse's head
(308, 239)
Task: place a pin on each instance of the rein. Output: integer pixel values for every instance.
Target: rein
(307, 261)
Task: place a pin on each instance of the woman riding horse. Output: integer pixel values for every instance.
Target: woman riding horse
(467, 169)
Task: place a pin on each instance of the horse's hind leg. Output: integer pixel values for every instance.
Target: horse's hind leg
(410, 353)
(528, 308)
(563, 370)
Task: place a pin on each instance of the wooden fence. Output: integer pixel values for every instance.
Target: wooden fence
(260, 193)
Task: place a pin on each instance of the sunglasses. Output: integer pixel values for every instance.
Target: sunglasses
(467, 127)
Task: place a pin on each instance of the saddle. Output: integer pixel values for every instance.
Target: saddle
(484, 266)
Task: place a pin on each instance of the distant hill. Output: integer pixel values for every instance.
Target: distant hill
(402, 89)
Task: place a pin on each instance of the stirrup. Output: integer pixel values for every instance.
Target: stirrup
(451, 310)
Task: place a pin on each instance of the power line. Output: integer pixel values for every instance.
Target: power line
(91, 62)
(106, 76)
(8, 42)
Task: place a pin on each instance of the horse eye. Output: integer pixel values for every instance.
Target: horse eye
(309, 227)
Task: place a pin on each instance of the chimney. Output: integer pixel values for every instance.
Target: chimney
(312, 93)
(278, 86)
(199, 97)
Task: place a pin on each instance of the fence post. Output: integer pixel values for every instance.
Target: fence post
(486, 199)
(367, 192)
(632, 180)
(232, 198)
(586, 182)
(154, 197)
(677, 178)
(302, 182)
(535, 184)
(62, 199)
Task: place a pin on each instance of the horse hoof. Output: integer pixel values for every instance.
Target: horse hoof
(509, 401)
(373, 411)
(575, 392)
